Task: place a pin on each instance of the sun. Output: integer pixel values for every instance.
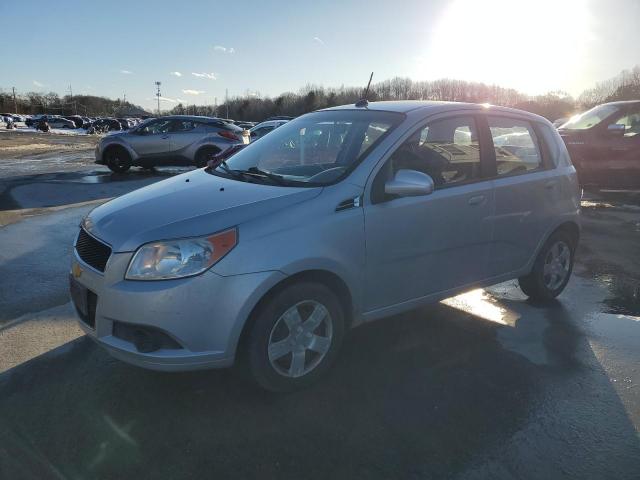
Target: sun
(533, 46)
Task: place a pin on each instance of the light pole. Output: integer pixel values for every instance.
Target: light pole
(158, 95)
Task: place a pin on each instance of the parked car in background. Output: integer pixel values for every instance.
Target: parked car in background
(246, 125)
(261, 129)
(339, 217)
(560, 121)
(171, 140)
(77, 119)
(59, 122)
(604, 144)
(125, 123)
(106, 124)
(33, 119)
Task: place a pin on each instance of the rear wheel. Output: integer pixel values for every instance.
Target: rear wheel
(552, 268)
(295, 337)
(118, 159)
(204, 155)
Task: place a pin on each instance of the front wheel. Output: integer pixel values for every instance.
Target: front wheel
(552, 268)
(295, 337)
(118, 160)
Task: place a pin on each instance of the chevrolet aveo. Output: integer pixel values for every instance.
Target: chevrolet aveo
(339, 217)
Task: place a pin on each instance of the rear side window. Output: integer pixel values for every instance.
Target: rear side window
(447, 150)
(515, 145)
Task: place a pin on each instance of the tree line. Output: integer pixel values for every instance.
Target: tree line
(52, 103)
(552, 105)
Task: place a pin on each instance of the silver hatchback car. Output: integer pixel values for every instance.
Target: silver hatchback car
(170, 140)
(339, 217)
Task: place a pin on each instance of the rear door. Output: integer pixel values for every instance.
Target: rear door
(183, 134)
(527, 193)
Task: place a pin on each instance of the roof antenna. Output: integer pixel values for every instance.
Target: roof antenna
(363, 102)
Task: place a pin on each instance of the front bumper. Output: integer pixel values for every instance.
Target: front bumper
(98, 153)
(203, 314)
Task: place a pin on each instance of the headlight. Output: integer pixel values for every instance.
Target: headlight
(180, 258)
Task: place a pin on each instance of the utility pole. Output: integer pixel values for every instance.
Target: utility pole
(226, 101)
(215, 106)
(158, 95)
(75, 109)
(15, 105)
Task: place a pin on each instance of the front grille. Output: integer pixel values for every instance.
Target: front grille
(92, 252)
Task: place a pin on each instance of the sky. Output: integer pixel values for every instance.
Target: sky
(199, 49)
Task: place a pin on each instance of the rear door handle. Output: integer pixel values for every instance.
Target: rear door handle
(477, 200)
(550, 184)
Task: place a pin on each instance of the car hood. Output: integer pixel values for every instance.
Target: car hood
(189, 205)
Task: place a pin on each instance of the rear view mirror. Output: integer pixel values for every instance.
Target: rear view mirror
(616, 128)
(409, 183)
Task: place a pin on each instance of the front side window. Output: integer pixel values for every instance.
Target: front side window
(515, 146)
(318, 148)
(447, 150)
(156, 126)
(181, 126)
(590, 118)
(631, 123)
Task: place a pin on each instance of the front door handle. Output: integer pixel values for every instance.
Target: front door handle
(477, 200)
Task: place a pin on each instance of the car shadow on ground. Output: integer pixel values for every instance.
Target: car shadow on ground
(434, 393)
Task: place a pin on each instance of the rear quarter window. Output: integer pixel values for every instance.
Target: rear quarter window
(559, 156)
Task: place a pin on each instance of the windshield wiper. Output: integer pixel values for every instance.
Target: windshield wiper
(230, 171)
(252, 172)
(256, 171)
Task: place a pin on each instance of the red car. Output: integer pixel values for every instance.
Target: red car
(604, 144)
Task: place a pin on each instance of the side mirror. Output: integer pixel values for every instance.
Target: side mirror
(409, 183)
(616, 129)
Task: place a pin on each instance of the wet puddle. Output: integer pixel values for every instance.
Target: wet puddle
(624, 294)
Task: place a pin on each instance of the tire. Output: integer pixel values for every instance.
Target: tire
(552, 268)
(118, 159)
(204, 155)
(281, 358)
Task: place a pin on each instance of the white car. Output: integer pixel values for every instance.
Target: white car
(263, 128)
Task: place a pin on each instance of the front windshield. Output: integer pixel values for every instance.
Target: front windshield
(590, 118)
(315, 149)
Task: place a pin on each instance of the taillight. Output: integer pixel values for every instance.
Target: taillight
(228, 134)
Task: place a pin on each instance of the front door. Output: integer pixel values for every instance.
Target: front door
(423, 245)
(153, 139)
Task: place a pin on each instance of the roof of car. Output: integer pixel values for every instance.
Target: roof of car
(195, 118)
(623, 102)
(406, 106)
